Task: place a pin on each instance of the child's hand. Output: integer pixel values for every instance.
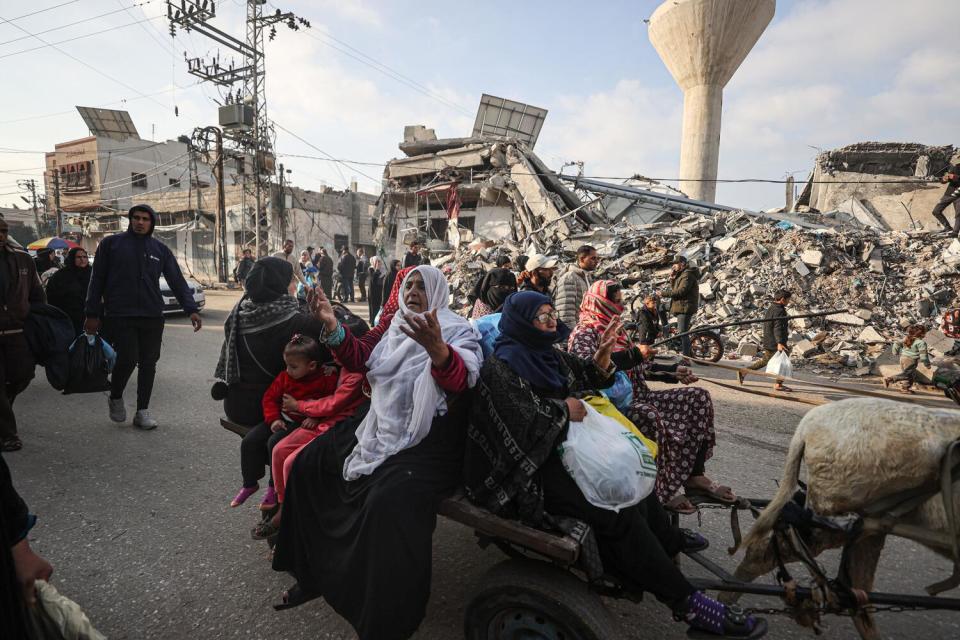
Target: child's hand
(289, 403)
(276, 425)
(328, 370)
(310, 424)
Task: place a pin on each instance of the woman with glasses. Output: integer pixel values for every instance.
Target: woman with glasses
(67, 288)
(525, 400)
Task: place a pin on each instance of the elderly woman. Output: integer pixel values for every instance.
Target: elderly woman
(67, 288)
(362, 499)
(679, 420)
(526, 399)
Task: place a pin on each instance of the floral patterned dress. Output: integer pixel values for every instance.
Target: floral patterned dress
(679, 420)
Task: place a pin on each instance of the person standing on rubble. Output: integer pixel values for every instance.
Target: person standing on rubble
(571, 288)
(775, 331)
(413, 257)
(325, 272)
(538, 274)
(684, 297)
(950, 196)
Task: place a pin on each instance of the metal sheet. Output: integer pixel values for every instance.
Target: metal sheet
(110, 123)
(502, 118)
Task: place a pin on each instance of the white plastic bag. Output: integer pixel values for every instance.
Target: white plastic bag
(612, 467)
(780, 365)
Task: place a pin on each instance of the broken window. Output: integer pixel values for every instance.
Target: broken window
(175, 182)
(138, 180)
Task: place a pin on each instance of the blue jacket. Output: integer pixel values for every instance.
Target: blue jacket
(126, 277)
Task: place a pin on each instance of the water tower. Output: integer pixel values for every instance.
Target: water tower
(703, 42)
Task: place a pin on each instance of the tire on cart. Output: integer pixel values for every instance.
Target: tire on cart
(521, 599)
(706, 346)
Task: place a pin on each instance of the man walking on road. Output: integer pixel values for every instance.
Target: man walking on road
(244, 266)
(347, 267)
(362, 266)
(19, 286)
(125, 294)
(775, 332)
(325, 272)
(287, 254)
(684, 297)
(571, 288)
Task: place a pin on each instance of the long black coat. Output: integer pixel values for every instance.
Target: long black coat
(67, 290)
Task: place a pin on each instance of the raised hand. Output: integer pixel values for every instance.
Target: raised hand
(321, 308)
(425, 331)
(607, 342)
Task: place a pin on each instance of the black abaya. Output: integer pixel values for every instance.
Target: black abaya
(366, 546)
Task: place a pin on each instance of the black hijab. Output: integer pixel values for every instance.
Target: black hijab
(490, 292)
(269, 278)
(526, 349)
(71, 260)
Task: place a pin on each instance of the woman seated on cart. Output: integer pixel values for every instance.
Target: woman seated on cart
(522, 408)
(362, 499)
(680, 421)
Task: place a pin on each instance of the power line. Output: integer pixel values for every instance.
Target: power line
(72, 24)
(330, 157)
(80, 37)
(89, 66)
(33, 13)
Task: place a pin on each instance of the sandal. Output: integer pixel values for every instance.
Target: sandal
(245, 492)
(294, 597)
(715, 492)
(269, 499)
(781, 387)
(681, 504)
(704, 614)
(13, 443)
(692, 542)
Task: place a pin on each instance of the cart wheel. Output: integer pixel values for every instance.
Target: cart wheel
(706, 346)
(532, 600)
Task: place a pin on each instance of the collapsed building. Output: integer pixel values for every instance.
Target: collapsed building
(468, 199)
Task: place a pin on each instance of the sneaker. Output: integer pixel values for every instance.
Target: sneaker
(143, 420)
(118, 413)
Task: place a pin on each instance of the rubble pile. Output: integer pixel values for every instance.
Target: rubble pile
(882, 281)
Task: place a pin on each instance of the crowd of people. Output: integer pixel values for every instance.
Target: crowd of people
(364, 428)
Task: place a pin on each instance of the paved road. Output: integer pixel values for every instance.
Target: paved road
(139, 531)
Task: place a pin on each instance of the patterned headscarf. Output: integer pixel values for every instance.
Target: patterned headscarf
(393, 302)
(597, 310)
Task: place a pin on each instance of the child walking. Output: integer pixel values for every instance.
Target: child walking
(912, 350)
(305, 377)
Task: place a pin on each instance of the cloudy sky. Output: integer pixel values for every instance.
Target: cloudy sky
(825, 73)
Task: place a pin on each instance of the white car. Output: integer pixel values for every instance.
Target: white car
(170, 303)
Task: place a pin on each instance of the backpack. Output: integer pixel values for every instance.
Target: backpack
(49, 333)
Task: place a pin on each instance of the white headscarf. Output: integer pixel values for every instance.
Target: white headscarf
(404, 396)
(377, 264)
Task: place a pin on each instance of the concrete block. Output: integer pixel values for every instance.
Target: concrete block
(801, 268)
(757, 290)
(803, 349)
(938, 342)
(866, 314)
(869, 334)
(725, 244)
(706, 290)
(812, 257)
(848, 319)
(951, 255)
(876, 260)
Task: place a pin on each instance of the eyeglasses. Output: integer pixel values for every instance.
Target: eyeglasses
(544, 318)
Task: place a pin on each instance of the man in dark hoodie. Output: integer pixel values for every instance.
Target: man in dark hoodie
(125, 293)
(684, 297)
(19, 287)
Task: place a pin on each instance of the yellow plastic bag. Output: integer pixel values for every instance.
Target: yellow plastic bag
(606, 408)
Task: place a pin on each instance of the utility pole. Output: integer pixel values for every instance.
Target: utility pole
(31, 186)
(201, 137)
(56, 202)
(253, 137)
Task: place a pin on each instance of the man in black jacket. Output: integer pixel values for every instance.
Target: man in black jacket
(244, 266)
(19, 287)
(413, 257)
(125, 293)
(950, 196)
(347, 267)
(362, 266)
(775, 331)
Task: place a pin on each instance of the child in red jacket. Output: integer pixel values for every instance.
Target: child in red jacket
(305, 377)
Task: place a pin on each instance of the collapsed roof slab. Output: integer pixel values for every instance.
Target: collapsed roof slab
(473, 155)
